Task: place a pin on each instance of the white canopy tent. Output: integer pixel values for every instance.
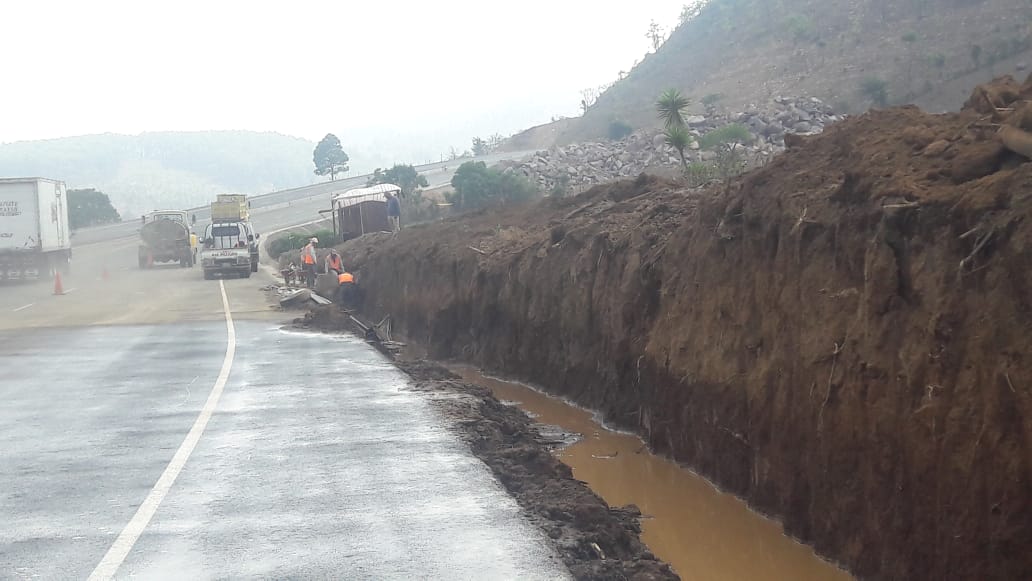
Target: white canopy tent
(359, 195)
(346, 208)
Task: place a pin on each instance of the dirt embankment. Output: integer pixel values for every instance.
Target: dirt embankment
(842, 338)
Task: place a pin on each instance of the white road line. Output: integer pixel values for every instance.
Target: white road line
(124, 543)
(22, 308)
(69, 291)
(267, 234)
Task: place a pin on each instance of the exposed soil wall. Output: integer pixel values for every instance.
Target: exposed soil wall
(842, 338)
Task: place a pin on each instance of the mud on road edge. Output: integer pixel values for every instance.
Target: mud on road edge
(595, 541)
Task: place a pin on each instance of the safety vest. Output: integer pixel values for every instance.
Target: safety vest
(335, 262)
(308, 254)
(345, 278)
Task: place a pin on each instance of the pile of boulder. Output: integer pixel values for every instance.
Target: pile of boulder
(597, 162)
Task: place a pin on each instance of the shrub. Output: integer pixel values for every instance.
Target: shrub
(726, 141)
(619, 129)
(477, 185)
(712, 99)
(800, 28)
(732, 133)
(876, 90)
(699, 174)
(297, 240)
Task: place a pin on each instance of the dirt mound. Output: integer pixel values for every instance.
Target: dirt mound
(842, 338)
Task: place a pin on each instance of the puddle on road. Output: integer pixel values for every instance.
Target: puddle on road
(703, 533)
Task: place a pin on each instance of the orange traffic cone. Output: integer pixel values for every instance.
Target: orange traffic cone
(58, 287)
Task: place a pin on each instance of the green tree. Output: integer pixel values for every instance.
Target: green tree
(480, 147)
(672, 106)
(88, 207)
(404, 176)
(477, 185)
(726, 141)
(679, 139)
(329, 157)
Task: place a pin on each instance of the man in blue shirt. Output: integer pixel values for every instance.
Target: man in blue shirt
(394, 212)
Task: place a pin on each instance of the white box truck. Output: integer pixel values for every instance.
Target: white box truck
(34, 233)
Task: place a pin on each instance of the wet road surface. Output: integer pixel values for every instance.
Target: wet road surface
(316, 463)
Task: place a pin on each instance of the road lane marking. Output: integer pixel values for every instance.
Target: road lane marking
(22, 308)
(116, 555)
(267, 234)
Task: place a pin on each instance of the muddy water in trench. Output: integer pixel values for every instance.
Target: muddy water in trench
(703, 533)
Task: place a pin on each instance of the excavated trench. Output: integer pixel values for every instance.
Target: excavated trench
(840, 338)
(701, 532)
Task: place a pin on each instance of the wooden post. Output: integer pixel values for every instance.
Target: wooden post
(361, 220)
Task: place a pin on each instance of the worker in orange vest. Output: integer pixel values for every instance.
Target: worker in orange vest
(308, 260)
(333, 263)
(346, 290)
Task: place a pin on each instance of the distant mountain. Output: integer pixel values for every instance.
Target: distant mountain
(740, 52)
(144, 172)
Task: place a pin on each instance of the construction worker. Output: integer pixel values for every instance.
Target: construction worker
(333, 263)
(308, 260)
(345, 290)
(394, 212)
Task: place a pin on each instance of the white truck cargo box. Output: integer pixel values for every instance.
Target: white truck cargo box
(33, 215)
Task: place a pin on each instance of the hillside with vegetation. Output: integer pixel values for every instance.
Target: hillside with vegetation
(144, 172)
(853, 54)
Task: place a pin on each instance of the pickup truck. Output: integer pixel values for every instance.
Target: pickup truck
(230, 248)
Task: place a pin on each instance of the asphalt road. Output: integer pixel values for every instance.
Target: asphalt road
(145, 434)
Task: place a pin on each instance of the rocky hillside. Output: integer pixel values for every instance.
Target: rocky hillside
(737, 52)
(842, 338)
(572, 167)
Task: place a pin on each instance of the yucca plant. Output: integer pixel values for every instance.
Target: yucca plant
(671, 107)
(679, 139)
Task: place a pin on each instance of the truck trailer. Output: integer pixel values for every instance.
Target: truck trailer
(35, 239)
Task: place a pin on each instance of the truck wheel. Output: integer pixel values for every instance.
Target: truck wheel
(246, 274)
(254, 266)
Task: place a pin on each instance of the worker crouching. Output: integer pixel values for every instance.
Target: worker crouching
(347, 291)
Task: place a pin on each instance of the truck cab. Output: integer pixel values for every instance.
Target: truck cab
(229, 248)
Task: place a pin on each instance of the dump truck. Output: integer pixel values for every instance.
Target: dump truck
(35, 238)
(230, 208)
(166, 237)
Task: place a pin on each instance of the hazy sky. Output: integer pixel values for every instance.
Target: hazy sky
(306, 68)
